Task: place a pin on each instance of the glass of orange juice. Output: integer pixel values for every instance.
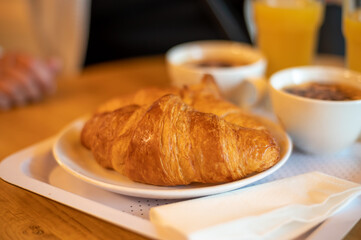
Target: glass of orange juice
(352, 32)
(287, 31)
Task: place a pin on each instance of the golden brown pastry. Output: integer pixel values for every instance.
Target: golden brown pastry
(142, 97)
(170, 143)
(204, 97)
(104, 130)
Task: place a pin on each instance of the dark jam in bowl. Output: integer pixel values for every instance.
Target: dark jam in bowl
(325, 91)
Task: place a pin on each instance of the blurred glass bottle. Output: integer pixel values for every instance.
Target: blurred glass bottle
(352, 32)
(61, 30)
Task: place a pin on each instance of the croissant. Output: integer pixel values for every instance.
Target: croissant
(144, 96)
(170, 143)
(204, 97)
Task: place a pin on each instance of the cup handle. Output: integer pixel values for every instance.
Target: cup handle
(251, 91)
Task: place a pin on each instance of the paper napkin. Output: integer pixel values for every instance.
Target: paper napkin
(282, 209)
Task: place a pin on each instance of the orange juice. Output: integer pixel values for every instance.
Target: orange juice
(287, 31)
(352, 32)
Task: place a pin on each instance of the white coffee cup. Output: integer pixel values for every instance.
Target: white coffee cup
(242, 84)
(317, 126)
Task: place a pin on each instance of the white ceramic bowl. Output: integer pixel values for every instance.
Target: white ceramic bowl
(229, 79)
(317, 126)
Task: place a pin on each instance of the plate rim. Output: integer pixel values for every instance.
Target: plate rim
(175, 193)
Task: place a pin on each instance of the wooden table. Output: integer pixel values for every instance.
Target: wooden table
(25, 215)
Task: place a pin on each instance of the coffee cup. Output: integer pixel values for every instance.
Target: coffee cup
(237, 68)
(317, 126)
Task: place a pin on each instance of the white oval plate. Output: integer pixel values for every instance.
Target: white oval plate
(78, 161)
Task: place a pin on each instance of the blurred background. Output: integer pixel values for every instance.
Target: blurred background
(85, 32)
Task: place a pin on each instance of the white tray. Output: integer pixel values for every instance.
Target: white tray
(36, 170)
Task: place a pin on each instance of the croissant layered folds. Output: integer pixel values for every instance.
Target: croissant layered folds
(190, 135)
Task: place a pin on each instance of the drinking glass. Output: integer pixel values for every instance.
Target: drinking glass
(352, 33)
(287, 31)
(61, 29)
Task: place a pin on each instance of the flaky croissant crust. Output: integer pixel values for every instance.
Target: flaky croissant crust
(172, 142)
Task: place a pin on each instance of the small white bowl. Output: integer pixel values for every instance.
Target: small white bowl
(317, 126)
(229, 79)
